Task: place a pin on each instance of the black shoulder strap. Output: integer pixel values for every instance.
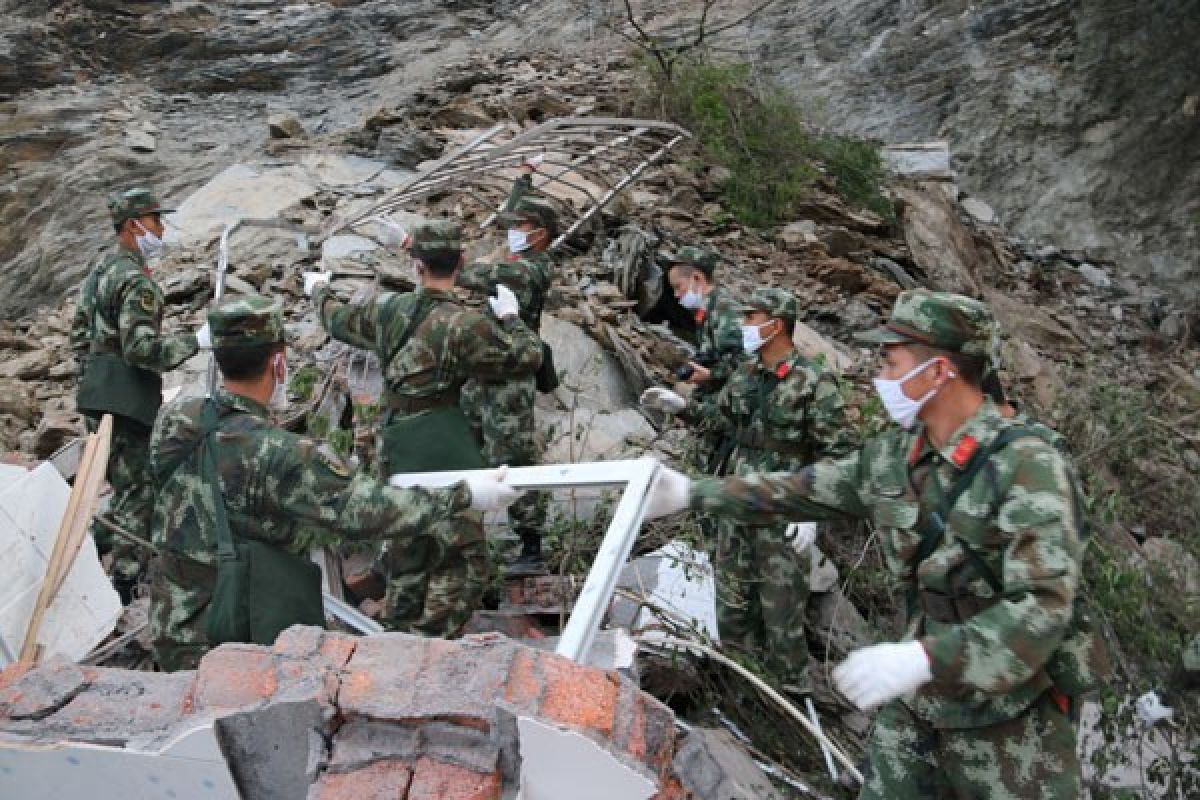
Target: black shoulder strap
(208, 467)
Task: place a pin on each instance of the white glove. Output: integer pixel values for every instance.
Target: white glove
(490, 491)
(878, 674)
(204, 337)
(663, 400)
(670, 493)
(801, 535)
(314, 279)
(391, 234)
(504, 304)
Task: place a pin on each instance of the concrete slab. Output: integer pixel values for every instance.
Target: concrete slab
(189, 768)
(557, 763)
(677, 578)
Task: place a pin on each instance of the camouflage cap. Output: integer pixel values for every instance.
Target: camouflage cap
(246, 320)
(778, 303)
(698, 257)
(134, 203)
(531, 208)
(943, 320)
(436, 236)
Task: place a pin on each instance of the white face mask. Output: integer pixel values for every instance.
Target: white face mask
(752, 340)
(518, 240)
(901, 407)
(279, 396)
(150, 245)
(692, 299)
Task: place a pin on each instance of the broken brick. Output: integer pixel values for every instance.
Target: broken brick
(382, 780)
(437, 780)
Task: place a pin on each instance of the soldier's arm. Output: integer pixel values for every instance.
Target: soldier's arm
(1005, 645)
(80, 329)
(831, 435)
(826, 490)
(499, 349)
(522, 187)
(726, 346)
(328, 504)
(139, 322)
(354, 324)
(478, 277)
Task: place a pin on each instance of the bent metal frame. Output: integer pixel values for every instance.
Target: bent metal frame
(634, 476)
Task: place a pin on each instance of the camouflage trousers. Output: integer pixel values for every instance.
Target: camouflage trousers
(1032, 755)
(132, 504)
(762, 592)
(502, 415)
(438, 600)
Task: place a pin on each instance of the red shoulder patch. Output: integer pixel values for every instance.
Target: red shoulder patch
(701, 315)
(918, 446)
(966, 448)
(783, 370)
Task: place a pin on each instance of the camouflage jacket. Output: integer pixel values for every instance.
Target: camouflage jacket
(120, 310)
(528, 275)
(784, 418)
(450, 345)
(1018, 515)
(278, 487)
(719, 341)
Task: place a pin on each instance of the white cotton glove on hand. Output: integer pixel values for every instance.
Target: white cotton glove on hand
(314, 279)
(670, 493)
(663, 400)
(504, 304)
(491, 491)
(204, 337)
(391, 234)
(878, 674)
(801, 535)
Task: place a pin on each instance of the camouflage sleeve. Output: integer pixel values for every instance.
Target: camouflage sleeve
(709, 411)
(354, 324)
(826, 490)
(81, 339)
(831, 434)
(494, 350)
(328, 504)
(1006, 645)
(726, 343)
(522, 187)
(140, 325)
(478, 277)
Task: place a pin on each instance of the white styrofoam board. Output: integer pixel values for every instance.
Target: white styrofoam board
(557, 763)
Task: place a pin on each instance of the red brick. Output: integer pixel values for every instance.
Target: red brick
(582, 696)
(337, 650)
(436, 780)
(382, 780)
(235, 676)
(524, 688)
(672, 790)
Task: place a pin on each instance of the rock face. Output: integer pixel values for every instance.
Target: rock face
(1077, 122)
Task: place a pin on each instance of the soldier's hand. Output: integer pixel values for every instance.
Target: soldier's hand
(314, 279)
(670, 493)
(879, 674)
(699, 374)
(504, 304)
(391, 234)
(204, 337)
(662, 399)
(801, 535)
(491, 490)
(533, 162)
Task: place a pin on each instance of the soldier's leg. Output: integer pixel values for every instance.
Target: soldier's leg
(510, 437)
(473, 402)
(782, 599)
(457, 585)
(132, 503)
(1033, 755)
(738, 617)
(407, 566)
(901, 761)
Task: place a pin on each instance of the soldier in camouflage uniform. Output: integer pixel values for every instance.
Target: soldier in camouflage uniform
(971, 710)
(117, 338)
(429, 344)
(277, 487)
(502, 411)
(784, 412)
(719, 343)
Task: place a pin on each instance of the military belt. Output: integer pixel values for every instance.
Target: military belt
(952, 609)
(414, 405)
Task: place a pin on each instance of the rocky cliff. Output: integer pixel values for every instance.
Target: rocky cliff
(1077, 120)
